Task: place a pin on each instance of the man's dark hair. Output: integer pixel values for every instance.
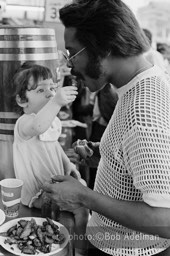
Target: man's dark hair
(105, 26)
(148, 34)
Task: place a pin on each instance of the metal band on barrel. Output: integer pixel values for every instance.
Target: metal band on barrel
(7, 122)
(26, 31)
(26, 57)
(27, 44)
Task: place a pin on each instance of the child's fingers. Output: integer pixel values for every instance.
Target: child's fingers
(67, 88)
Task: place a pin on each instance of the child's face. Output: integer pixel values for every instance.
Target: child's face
(39, 97)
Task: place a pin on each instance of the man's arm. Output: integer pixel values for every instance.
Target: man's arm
(138, 216)
(69, 194)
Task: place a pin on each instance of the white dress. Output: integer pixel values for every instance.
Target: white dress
(37, 159)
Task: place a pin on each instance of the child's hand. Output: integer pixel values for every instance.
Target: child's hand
(75, 174)
(65, 95)
(73, 156)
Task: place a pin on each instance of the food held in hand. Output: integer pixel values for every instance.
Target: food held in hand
(83, 149)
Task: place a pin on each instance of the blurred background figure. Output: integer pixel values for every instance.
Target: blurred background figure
(82, 110)
(80, 114)
(164, 49)
(95, 109)
(104, 104)
(153, 56)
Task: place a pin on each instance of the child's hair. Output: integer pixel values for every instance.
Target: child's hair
(21, 79)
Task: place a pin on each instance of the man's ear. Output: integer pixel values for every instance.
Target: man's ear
(21, 103)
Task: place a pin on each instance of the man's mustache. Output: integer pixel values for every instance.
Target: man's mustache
(77, 74)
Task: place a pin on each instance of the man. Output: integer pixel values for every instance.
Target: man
(131, 197)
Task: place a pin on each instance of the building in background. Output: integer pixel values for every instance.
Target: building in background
(156, 17)
(34, 12)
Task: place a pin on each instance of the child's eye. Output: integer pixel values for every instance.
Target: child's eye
(52, 88)
(40, 90)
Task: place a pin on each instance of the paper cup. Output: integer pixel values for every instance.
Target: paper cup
(11, 196)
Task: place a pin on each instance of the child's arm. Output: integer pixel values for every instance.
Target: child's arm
(69, 167)
(39, 123)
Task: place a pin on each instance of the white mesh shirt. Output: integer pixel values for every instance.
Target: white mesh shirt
(135, 162)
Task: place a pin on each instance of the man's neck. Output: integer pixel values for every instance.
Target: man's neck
(123, 70)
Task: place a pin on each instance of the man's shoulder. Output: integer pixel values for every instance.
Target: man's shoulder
(155, 58)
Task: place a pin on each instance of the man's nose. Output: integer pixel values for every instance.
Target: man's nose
(69, 64)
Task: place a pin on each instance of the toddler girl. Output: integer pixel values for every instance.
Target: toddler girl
(37, 154)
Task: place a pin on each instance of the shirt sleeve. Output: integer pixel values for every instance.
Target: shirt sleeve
(146, 145)
(148, 160)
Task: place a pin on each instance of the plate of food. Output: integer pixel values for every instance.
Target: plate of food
(2, 217)
(34, 236)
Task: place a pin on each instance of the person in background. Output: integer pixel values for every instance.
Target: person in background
(104, 105)
(37, 154)
(152, 55)
(82, 109)
(164, 49)
(131, 196)
(99, 110)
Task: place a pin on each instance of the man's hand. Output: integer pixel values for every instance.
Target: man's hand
(88, 152)
(67, 192)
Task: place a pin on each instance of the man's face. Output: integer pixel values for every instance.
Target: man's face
(83, 66)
